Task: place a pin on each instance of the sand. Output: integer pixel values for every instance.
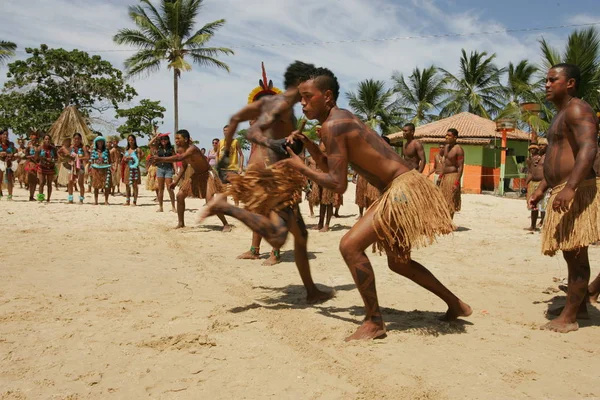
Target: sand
(109, 302)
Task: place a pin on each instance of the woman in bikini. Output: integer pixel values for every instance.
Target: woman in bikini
(31, 167)
(100, 169)
(8, 164)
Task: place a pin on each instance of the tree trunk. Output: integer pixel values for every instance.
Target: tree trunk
(175, 105)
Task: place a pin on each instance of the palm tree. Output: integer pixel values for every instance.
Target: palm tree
(476, 88)
(167, 35)
(523, 87)
(422, 94)
(7, 50)
(583, 50)
(374, 105)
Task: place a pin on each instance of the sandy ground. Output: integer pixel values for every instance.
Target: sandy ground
(104, 302)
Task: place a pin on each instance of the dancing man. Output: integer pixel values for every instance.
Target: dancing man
(409, 214)
(194, 174)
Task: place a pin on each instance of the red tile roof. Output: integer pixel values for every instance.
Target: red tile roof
(471, 128)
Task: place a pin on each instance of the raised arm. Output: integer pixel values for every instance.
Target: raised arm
(248, 113)
(177, 157)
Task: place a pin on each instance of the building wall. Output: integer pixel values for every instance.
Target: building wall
(482, 165)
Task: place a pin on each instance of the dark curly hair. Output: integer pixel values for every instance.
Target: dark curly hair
(296, 72)
(325, 80)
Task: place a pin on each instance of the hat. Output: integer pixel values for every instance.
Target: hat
(533, 146)
(99, 138)
(164, 134)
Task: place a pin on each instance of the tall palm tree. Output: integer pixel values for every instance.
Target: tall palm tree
(524, 87)
(420, 95)
(7, 50)
(373, 104)
(168, 35)
(476, 88)
(583, 50)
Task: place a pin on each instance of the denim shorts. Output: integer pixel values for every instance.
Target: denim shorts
(166, 173)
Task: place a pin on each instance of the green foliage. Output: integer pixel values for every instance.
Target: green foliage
(373, 104)
(476, 88)
(419, 95)
(141, 119)
(242, 140)
(7, 50)
(41, 86)
(583, 50)
(310, 129)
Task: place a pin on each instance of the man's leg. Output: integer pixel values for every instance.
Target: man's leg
(254, 252)
(542, 216)
(579, 277)
(534, 217)
(352, 247)
(594, 290)
(329, 214)
(297, 228)
(420, 275)
(180, 209)
(273, 229)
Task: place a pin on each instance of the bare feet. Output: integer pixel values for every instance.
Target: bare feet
(582, 312)
(173, 209)
(249, 255)
(460, 310)
(272, 260)
(368, 330)
(106, 203)
(160, 209)
(179, 226)
(561, 326)
(317, 296)
(214, 207)
(227, 228)
(324, 229)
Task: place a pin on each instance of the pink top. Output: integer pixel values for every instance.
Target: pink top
(212, 158)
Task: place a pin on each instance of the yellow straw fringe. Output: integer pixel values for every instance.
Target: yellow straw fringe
(578, 227)
(410, 214)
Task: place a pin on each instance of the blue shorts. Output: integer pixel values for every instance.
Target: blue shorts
(166, 173)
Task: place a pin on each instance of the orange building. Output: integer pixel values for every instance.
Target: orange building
(481, 143)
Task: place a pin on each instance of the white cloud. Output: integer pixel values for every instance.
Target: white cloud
(209, 97)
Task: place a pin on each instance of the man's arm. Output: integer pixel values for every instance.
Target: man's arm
(177, 157)
(248, 113)
(422, 158)
(583, 131)
(337, 158)
(460, 164)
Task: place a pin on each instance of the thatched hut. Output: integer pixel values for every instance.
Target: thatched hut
(69, 122)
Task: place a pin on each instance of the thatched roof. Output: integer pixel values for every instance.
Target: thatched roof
(472, 129)
(69, 122)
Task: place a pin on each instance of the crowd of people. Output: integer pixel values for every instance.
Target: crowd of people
(400, 209)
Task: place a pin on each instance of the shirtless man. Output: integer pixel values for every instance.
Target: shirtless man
(189, 154)
(438, 165)
(414, 154)
(264, 130)
(275, 227)
(449, 182)
(535, 174)
(573, 208)
(396, 221)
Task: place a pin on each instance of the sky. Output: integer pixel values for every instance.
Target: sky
(271, 31)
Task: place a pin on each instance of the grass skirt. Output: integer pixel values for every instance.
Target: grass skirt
(151, 183)
(194, 183)
(116, 175)
(579, 227)
(64, 169)
(410, 214)
(452, 196)
(531, 187)
(360, 197)
(214, 184)
(269, 189)
(101, 178)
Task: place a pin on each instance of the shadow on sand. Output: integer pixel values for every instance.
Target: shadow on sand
(424, 323)
(560, 301)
